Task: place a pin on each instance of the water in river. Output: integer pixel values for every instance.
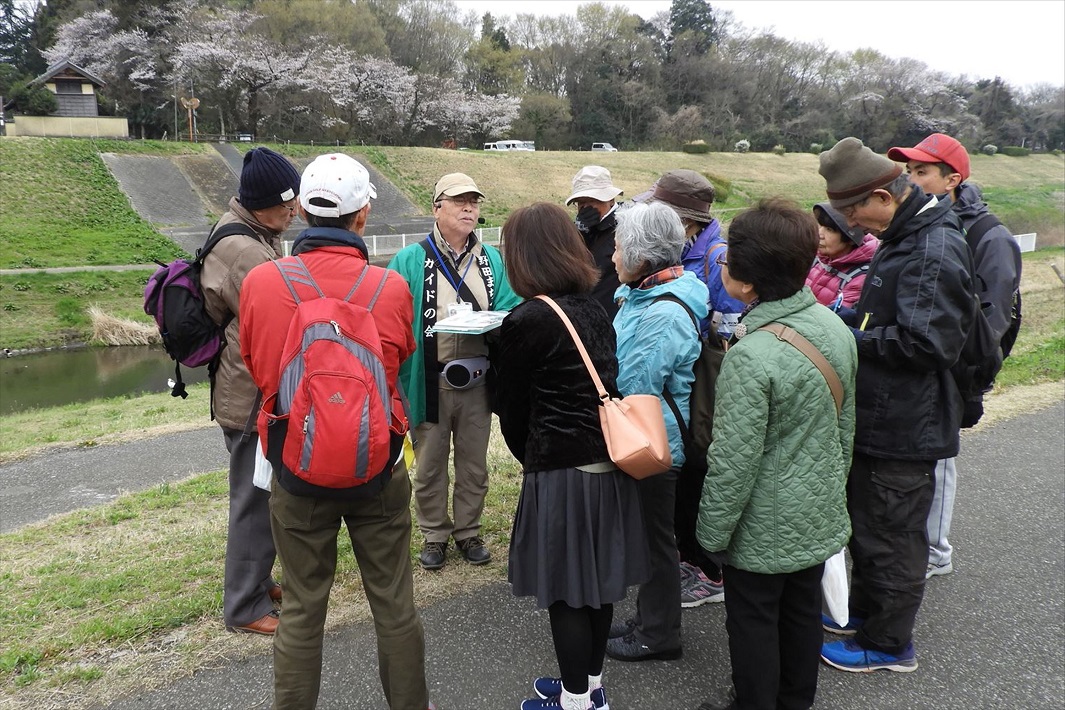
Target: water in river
(59, 377)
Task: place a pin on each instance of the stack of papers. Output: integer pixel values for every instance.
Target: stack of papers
(471, 323)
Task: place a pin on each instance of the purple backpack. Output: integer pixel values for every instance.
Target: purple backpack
(174, 298)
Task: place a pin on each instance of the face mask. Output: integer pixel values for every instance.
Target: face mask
(587, 218)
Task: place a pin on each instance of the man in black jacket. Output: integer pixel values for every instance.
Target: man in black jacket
(910, 324)
(940, 166)
(594, 194)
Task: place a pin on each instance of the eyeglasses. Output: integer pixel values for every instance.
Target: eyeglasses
(472, 201)
(720, 261)
(290, 206)
(848, 211)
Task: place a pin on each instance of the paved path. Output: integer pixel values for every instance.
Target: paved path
(991, 635)
(58, 482)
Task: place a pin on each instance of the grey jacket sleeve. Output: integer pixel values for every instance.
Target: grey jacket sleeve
(998, 271)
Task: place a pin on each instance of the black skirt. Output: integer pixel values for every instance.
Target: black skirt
(578, 538)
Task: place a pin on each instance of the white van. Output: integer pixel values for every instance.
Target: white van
(510, 145)
(604, 148)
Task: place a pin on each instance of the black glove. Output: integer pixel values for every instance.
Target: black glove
(973, 411)
(718, 558)
(587, 218)
(848, 316)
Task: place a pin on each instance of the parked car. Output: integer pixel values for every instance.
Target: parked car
(604, 148)
(510, 145)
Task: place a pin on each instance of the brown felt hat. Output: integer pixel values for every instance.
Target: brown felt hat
(687, 192)
(852, 171)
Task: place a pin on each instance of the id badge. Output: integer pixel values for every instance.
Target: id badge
(453, 309)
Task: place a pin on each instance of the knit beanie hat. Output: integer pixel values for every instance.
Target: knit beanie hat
(267, 179)
(852, 171)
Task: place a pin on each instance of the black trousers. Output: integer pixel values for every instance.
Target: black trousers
(888, 501)
(774, 637)
(658, 600)
(686, 516)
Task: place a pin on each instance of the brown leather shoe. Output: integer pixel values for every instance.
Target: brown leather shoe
(275, 593)
(265, 625)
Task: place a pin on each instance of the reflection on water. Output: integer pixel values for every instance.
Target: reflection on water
(65, 376)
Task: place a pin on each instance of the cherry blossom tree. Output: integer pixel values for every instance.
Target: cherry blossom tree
(220, 54)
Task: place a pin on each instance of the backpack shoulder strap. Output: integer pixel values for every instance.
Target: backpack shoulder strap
(978, 229)
(685, 433)
(682, 304)
(706, 261)
(795, 339)
(845, 279)
(377, 292)
(220, 233)
(295, 271)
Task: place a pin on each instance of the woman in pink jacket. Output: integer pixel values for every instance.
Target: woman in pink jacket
(843, 256)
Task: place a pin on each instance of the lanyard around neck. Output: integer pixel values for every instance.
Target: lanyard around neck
(447, 272)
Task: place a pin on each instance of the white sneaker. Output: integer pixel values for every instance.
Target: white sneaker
(935, 570)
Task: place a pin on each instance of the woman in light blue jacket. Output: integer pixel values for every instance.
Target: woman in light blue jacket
(658, 341)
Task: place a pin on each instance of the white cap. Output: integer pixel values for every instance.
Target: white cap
(338, 179)
(593, 181)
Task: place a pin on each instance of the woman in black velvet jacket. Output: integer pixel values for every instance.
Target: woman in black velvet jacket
(578, 540)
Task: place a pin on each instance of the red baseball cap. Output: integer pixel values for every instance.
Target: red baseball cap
(936, 148)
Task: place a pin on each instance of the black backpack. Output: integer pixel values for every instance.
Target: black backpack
(973, 236)
(174, 298)
(982, 355)
(697, 437)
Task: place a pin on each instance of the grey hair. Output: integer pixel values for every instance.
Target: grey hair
(898, 187)
(650, 235)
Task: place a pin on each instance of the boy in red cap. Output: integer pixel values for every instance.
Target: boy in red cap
(940, 165)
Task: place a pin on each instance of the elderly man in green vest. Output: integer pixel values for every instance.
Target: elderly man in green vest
(450, 272)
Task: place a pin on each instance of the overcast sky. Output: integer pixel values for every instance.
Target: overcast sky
(1022, 41)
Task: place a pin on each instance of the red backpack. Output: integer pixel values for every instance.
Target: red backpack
(333, 392)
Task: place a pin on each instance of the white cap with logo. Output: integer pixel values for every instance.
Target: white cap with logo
(336, 179)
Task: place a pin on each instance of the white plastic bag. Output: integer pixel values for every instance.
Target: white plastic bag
(835, 588)
(264, 472)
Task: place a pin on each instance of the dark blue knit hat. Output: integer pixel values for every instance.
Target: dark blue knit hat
(267, 179)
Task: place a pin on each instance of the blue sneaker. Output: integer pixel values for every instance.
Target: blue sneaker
(847, 655)
(853, 624)
(551, 689)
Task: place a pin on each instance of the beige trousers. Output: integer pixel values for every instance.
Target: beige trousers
(465, 421)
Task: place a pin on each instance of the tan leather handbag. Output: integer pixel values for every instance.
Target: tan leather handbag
(633, 426)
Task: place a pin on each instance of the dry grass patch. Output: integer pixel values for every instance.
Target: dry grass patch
(111, 330)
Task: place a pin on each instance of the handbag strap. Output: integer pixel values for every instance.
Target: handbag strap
(795, 339)
(580, 346)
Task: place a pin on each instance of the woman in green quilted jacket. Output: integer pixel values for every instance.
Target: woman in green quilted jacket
(774, 504)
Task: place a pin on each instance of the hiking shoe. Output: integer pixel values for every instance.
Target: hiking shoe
(829, 625)
(687, 571)
(698, 589)
(621, 628)
(551, 688)
(474, 551)
(847, 655)
(629, 648)
(433, 555)
(935, 570)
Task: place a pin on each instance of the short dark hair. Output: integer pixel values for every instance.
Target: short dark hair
(344, 221)
(945, 170)
(771, 246)
(545, 253)
(826, 221)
